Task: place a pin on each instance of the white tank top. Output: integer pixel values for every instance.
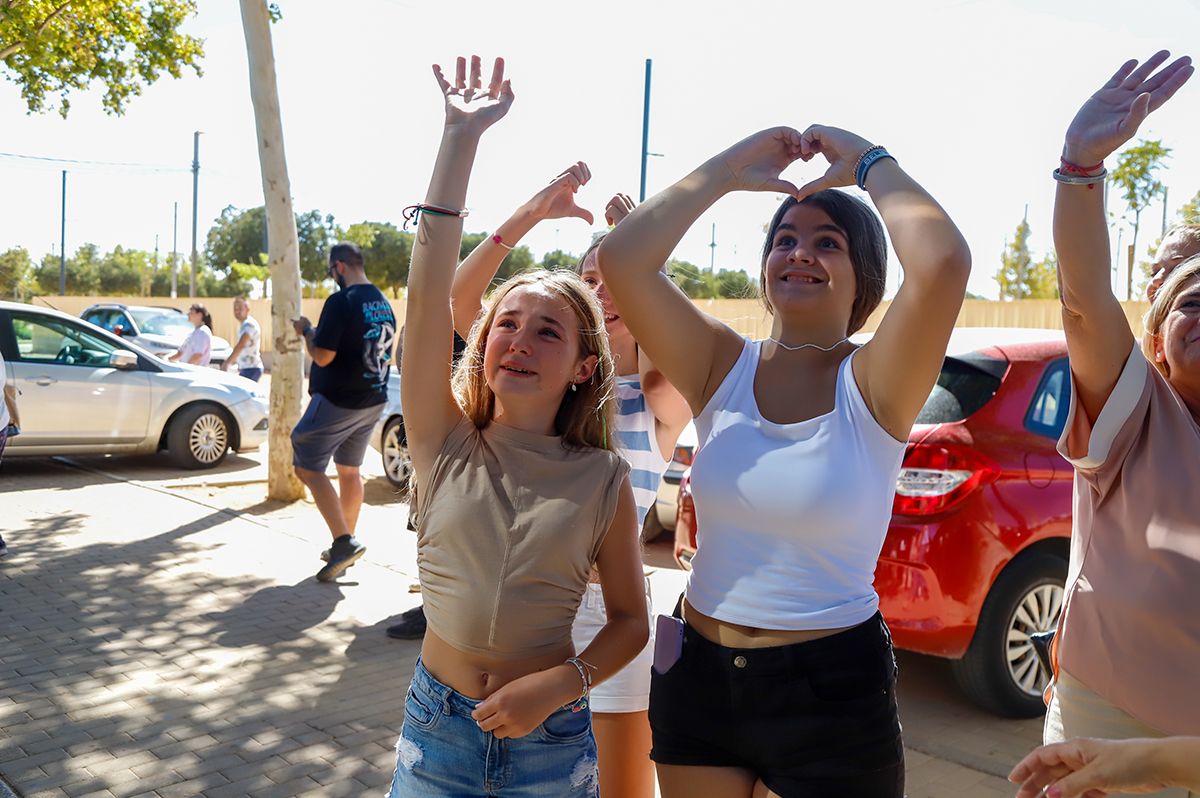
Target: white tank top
(790, 517)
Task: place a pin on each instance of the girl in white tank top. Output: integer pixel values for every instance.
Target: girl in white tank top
(784, 680)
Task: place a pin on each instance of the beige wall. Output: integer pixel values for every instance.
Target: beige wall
(747, 316)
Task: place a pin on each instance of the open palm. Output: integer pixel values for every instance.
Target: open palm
(468, 105)
(1112, 115)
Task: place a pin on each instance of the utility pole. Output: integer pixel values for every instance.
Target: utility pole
(195, 199)
(645, 134)
(175, 252)
(1117, 258)
(712, 257)
(1164, 224)
(62, 243)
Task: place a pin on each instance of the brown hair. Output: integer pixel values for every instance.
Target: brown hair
(1183, 274)
(204, 315)
(868, 249)
(585, 417)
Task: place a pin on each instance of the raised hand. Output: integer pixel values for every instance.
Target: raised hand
(557, 200)
(468, 106)
(840, 147)
(755, 162)
(620, 206)
(1112, 115)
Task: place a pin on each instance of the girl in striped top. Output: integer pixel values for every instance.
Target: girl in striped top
(650, 415)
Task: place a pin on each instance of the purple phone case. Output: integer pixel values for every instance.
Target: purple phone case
(668, 642)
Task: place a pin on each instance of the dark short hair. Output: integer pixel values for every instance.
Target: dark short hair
(868, 249)
(346, 252)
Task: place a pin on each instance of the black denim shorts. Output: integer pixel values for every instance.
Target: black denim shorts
(809, 719)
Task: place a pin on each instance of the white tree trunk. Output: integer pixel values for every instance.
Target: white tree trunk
(284, 255)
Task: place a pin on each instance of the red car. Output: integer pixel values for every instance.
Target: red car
(976, 554)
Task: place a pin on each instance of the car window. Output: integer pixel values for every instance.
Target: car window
(966, 383)
(97, 317)
(1048, 410)
(165, 324)
(42, 339)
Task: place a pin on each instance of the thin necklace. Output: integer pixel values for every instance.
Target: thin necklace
(807, 346)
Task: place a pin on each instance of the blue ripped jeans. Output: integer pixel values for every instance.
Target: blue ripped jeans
(442, 752)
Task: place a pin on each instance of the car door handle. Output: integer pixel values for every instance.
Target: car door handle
(44, 380)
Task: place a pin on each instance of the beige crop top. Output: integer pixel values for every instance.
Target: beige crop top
(509, 526)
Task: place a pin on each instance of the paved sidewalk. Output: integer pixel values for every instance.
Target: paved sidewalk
(166, 637)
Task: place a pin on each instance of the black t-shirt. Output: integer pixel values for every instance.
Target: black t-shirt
(357, 322)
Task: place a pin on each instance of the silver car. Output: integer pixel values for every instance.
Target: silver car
(389, 438)
(86, 391)
(157, 329)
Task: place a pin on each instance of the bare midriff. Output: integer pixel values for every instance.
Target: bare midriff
(477, 676)
(734, 635)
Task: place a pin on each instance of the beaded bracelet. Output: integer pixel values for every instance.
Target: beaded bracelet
(581, 703)
(865, 161)
(413, 212)
(499, 241)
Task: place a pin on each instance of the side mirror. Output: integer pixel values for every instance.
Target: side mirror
(123, 359)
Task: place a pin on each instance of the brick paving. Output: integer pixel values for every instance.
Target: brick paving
(165, 637)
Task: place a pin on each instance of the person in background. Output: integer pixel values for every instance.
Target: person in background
(351, 351)
(10, 421)
(246, 352)
(1180, 243)
(197, 347)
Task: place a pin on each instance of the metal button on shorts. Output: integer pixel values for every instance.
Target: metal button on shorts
(739, 661)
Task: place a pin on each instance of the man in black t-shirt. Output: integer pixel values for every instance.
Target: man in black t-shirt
(351, 351)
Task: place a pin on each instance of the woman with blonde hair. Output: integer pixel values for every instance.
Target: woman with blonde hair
(517, 495)
(1129, 634)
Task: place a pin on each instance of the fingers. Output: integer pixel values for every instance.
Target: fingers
(1137, 76)
(441, 79)
(460, 74)
(583, 213)
(620, 206)
(1171, 85)
(476, 69)
(1119, 76)
(497, 81)
(812, 187)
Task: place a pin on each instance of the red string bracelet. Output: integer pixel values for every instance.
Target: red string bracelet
(498, 240)
(1069, 168)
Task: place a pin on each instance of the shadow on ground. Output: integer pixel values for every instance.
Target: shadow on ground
(117, 673)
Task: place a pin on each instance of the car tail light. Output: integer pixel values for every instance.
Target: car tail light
(935, 477)
(682, 456)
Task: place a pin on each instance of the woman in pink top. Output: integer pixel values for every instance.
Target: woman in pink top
(1129, 639)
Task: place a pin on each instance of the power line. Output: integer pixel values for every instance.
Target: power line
(82, 162)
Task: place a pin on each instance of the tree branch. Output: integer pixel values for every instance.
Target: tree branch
(46, 22)
(12, 48)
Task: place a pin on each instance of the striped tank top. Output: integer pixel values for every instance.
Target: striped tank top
(637, 442)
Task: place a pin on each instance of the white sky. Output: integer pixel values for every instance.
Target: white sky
(972, 96)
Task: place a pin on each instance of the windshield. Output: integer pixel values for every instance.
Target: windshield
(162, 322)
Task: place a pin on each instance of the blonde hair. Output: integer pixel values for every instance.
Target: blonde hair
(585, 417)
(1180, 276)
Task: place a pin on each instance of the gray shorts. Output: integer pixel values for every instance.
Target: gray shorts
(328, 430)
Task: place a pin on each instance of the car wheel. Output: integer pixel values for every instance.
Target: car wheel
(1001, 670)
(198, 437)
(397, 465)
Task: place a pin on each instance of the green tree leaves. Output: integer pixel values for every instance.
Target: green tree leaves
(54, 47)
(1020, 277)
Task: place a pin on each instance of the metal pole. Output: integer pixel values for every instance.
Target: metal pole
(1164, 224)
(195, 199)
(712, 259)
(645, 134)
(62, 243)
(175, 252)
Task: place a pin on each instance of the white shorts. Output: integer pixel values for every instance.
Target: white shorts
(629, 689)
